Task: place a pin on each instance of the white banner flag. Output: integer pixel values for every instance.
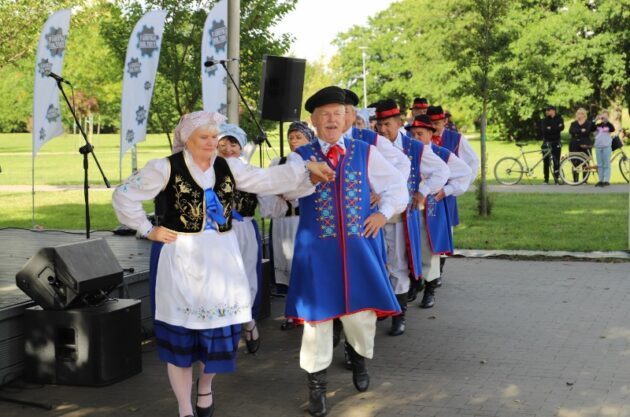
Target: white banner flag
(143, 55)
(214, 46)
(50, 52)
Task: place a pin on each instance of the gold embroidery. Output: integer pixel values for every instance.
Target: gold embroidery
(188, 204)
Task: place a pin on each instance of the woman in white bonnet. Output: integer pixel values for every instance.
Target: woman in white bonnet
(199, 292)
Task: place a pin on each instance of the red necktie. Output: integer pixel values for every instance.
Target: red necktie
(333, 155)
(437, 139)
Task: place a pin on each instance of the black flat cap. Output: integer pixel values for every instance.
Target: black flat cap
(422, 121)
(327, 95)
(419, 103)
(351, 97)
(387, 108)
(436, 113)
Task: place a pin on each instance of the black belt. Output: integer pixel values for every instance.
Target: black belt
(292, 211)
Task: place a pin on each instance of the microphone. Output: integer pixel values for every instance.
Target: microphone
(212, 62)
(57, 78)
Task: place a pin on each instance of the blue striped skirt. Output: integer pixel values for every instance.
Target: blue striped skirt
(180, 346)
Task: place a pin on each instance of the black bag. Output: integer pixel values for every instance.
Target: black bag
(616, 143)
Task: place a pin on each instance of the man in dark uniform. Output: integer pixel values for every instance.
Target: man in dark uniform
(551, 126)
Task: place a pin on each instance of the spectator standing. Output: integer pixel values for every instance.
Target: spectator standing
(603, 147)
(551, 126)
(581, 130)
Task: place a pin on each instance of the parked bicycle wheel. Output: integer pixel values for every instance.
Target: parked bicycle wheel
(508, 171)
(624, 167)
(574, 170)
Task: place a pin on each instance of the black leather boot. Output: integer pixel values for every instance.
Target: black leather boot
(414, 288)
(317, 394)
(428, 298)
(399, 321)
(337, 328)
(360, 376)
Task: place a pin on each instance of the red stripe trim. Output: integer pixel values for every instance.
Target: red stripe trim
(420, 106)
(387, 113)
(379, 313)
(340, 223)
(435, 117)
(417, 123)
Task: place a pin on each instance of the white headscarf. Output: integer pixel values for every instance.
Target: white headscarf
(228, 129)
(190, 122)
(365, 114)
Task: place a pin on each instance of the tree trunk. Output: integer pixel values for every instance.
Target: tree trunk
(483, 204)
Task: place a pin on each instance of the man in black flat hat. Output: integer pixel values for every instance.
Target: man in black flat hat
(550, 127)
(419, 106)
(338, 268)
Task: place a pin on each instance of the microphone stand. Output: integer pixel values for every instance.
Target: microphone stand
(84, 150)
(263, 136)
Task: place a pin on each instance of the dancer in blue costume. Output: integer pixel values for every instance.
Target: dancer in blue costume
(338, 269)
(199, 291)
(402, 233)
(436, 231)
(459, 145)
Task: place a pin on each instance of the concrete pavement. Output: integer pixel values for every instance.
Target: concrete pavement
(506, 338)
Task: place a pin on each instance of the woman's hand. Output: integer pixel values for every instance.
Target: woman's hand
(418, 200)
(320, 171)
(162, 234)
(440, 195)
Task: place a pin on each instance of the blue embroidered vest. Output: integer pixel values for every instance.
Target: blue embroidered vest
(451, 141)
(411, 217)
(365, 135)
(436, 215)
(336, 271)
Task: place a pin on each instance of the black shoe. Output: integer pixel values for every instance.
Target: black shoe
(337, 328)
(428, 298)
(287, 325)
(360, 376)
(438, 282)
(317, 394)
(252, 345)
(204, 411)
(599, 184)
(399, 321)
(605, 184)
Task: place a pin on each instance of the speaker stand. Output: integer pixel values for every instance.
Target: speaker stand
(281, 140)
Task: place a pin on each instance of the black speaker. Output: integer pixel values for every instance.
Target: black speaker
(281, 88)
(68, 275)
(87, 346)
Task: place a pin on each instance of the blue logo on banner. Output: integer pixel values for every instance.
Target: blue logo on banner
(45, 66)
(218, 35)
(223, 109)
(147, 85)
(130, 136)
(52, 114)
(141, 115)
(147, 41)
(42, 135)
(56, 41)
(134, 67)
(213, 69)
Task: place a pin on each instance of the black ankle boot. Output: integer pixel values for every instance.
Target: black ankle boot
(204, 411)
(337, 328)
(317, 394)
(399, 321)
(428, 298)
(414, 288)
(360, 376)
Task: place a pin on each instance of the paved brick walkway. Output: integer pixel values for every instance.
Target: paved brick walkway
(507, 338)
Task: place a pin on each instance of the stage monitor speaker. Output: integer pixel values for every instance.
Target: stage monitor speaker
(281, 88)
(63, 276)
(86, 346)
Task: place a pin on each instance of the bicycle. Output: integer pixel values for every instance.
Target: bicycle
(509, 170)
(577, 167)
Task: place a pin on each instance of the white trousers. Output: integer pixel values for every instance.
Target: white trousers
(430, 261)
(317, 340)
(397, 262)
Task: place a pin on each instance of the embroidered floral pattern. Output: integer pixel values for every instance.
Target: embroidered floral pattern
(225, 192)
(134, 181)
(430, 206)
(189, 204)
(325, 206)
(203, 313)
(352, 200)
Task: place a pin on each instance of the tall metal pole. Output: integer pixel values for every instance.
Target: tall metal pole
(234, 50)
(363, 48)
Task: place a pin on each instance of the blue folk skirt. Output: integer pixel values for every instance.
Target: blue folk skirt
(180, 346)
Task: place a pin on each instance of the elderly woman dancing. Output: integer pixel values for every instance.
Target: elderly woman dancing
(199, 290)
